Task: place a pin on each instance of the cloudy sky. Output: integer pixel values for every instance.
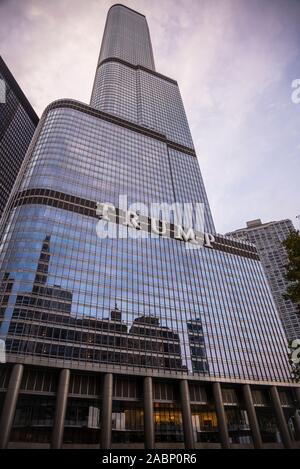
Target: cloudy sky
(234, 61)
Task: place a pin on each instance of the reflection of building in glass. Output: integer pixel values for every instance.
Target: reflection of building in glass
(197, 346)
(17, 125)
(160, 347)
(42, 324)
(190, 324)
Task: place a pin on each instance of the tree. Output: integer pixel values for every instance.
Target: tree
(294, 359)
(292, 246)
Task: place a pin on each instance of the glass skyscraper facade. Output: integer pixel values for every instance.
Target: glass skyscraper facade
(131, 341)
(18, 122)
(268, 238)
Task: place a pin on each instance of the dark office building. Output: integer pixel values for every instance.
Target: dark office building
(18, 122)
(130, 341)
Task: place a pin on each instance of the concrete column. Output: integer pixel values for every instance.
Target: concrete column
(297, 414)
(10, 403)
(60, 410)
(297, 424)
(148, 414)
(221, 416)
(186, 415)
(106, 416)
(283, 428)
(256, 436)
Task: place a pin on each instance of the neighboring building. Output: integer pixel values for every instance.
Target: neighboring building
(18, 122)
(130, 341)
(268, 238)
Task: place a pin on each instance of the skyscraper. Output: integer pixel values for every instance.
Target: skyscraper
(18, 122)
(131, 340)
(268, 238)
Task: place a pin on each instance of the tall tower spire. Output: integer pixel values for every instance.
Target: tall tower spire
(128, 86)
(126, 37)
